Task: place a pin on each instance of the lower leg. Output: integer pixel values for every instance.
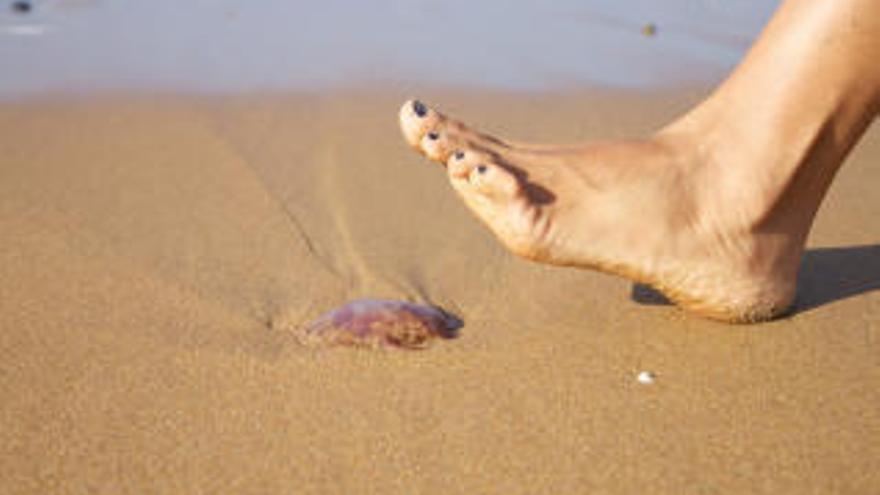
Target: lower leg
(804, 94)
(714, 210)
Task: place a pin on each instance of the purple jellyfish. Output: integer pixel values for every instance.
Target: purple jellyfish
(381, 323)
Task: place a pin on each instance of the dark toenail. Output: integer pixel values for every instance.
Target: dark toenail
(481, 169)
(419, 108)
(459, 155)
(433, 136)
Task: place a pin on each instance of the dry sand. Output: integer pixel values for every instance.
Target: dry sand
(157, 254)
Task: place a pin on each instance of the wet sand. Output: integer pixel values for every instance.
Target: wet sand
(158, 254)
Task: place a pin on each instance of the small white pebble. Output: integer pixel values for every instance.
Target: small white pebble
(646, 377)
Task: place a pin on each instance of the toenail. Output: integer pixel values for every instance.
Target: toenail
(433, 136)
(419, 108)
(481, 169)
(459, 155)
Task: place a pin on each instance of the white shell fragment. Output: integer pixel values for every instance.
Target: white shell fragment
(646, 377)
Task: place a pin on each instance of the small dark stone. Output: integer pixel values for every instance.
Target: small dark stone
(21, 7)
(419, 108)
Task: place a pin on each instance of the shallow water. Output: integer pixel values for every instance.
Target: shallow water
(226, 45)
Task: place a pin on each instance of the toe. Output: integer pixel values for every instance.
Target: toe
(459, 165)
(416, 120)
(474, 173)
(438, 145)
(498, 198)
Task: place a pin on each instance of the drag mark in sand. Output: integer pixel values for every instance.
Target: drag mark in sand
(298, 229)
(330, 162)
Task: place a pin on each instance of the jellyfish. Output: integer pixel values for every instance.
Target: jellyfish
(378, 323)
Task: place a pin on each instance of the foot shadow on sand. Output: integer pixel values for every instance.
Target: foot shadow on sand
(826, 275)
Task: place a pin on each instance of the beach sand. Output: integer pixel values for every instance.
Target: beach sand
(158, 254)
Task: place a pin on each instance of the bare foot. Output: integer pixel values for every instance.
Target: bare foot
(714, 210)
(660, 211)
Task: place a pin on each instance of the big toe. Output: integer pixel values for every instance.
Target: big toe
(496, 196)
(478, 179)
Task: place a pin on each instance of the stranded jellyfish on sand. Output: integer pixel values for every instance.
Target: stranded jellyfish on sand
(378, 323)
